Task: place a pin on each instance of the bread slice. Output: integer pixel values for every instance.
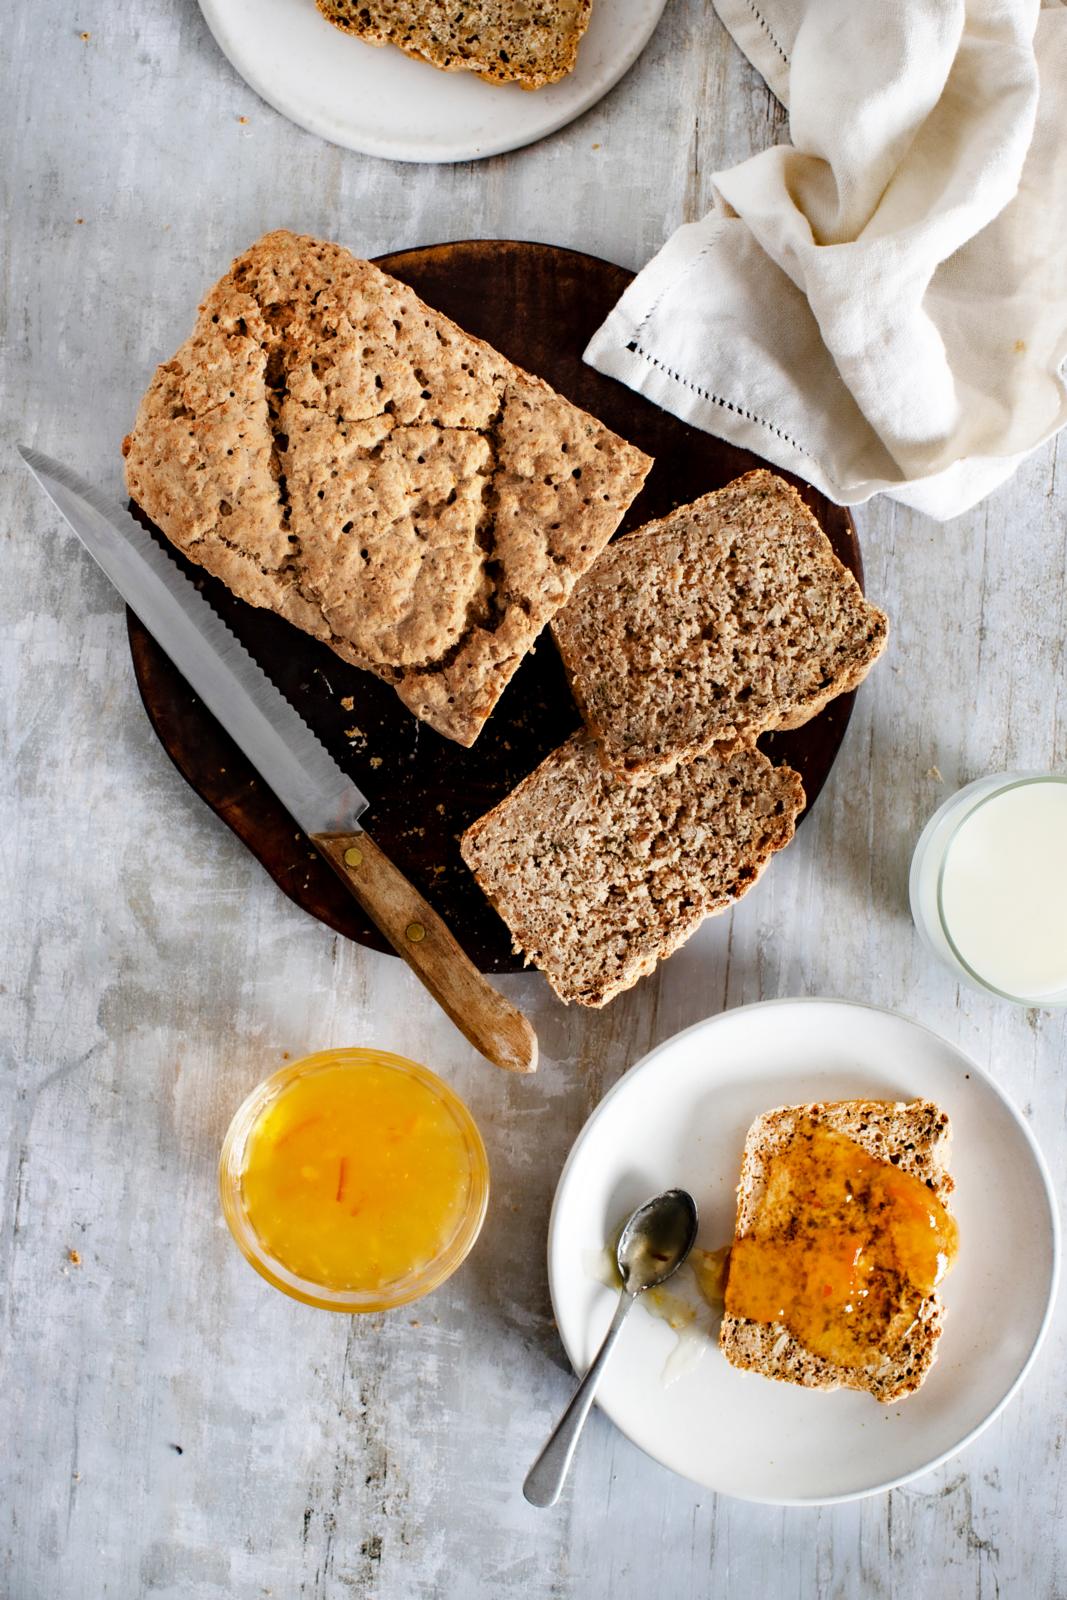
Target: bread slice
(913, 1137)
(599, 879)
(333, 449)
(729, 617)
(526, 42)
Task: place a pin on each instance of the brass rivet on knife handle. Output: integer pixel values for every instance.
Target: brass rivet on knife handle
(416, 932)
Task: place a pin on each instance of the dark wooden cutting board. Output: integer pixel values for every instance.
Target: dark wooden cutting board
(539, 305)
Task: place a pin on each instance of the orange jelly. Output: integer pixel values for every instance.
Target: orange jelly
(843, 1249)
(359, 1179)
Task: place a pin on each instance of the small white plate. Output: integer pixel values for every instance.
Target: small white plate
(680, 1117)
(384, 103)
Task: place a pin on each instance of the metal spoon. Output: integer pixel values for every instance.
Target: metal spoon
(652, 1245)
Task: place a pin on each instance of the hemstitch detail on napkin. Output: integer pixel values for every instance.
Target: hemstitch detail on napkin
(766, 28)
(717, 399)
(671, 286)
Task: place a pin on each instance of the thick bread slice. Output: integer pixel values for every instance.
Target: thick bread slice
(336, 451)
(727, 618)
(913, 1136)
(527, 42)
(599, 879)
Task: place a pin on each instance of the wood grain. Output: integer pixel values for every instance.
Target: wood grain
(417, 934)
(539, 305)
(173, 1429)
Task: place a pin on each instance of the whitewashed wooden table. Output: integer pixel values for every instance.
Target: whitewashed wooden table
(172, 1427)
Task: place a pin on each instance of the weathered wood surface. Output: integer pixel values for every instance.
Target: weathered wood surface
(171, 1427)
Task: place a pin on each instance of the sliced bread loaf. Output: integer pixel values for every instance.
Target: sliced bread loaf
(527, 42)
(335, 450)
(599, 879)
(729, 617)
(913, 1138)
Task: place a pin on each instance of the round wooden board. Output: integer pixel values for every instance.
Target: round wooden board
(539, 305)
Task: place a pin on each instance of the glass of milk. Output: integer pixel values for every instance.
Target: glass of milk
(989, 886)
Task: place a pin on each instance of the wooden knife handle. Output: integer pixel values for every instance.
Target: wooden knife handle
(491, 1023)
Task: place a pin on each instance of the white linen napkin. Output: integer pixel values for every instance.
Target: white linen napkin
(882, 305)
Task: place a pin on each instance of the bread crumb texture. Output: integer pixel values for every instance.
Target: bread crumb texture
(527, 42)
(334, 450)
(730, 617)
(599, 879)
(915, 1137)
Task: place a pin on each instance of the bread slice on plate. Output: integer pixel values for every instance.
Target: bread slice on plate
(599, 879)
(333, 449)
(526, 42)
(824, 1211)
(725, 619)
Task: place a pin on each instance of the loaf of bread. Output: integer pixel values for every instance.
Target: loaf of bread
(725, 619)
(526, 42)
(914, 1138)
(335, 450)
(599, 879)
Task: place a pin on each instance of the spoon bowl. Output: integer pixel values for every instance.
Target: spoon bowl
(656, 1240)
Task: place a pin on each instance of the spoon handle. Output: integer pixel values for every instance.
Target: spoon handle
(546, 1477)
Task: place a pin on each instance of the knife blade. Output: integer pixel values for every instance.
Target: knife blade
(288, 757)
(272, 734)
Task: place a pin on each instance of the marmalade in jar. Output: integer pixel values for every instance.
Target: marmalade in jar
(354, 1179)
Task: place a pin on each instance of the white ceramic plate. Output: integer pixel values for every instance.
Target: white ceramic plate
(384, 103)
(680, 1117)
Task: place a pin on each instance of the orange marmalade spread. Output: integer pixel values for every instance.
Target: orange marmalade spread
(356, 1175)
(843, 1248)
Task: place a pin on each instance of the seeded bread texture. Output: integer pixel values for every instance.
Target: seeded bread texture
(913, 1136)
(527, 42)
(725, 619)
(336, 451)
(599, 879)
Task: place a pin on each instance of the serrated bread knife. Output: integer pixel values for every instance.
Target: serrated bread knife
(289, 758)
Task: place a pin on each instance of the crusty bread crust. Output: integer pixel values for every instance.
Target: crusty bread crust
(333, 449)
(913, 1136)
(530, 45)
(728, 618)
(599, 879)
